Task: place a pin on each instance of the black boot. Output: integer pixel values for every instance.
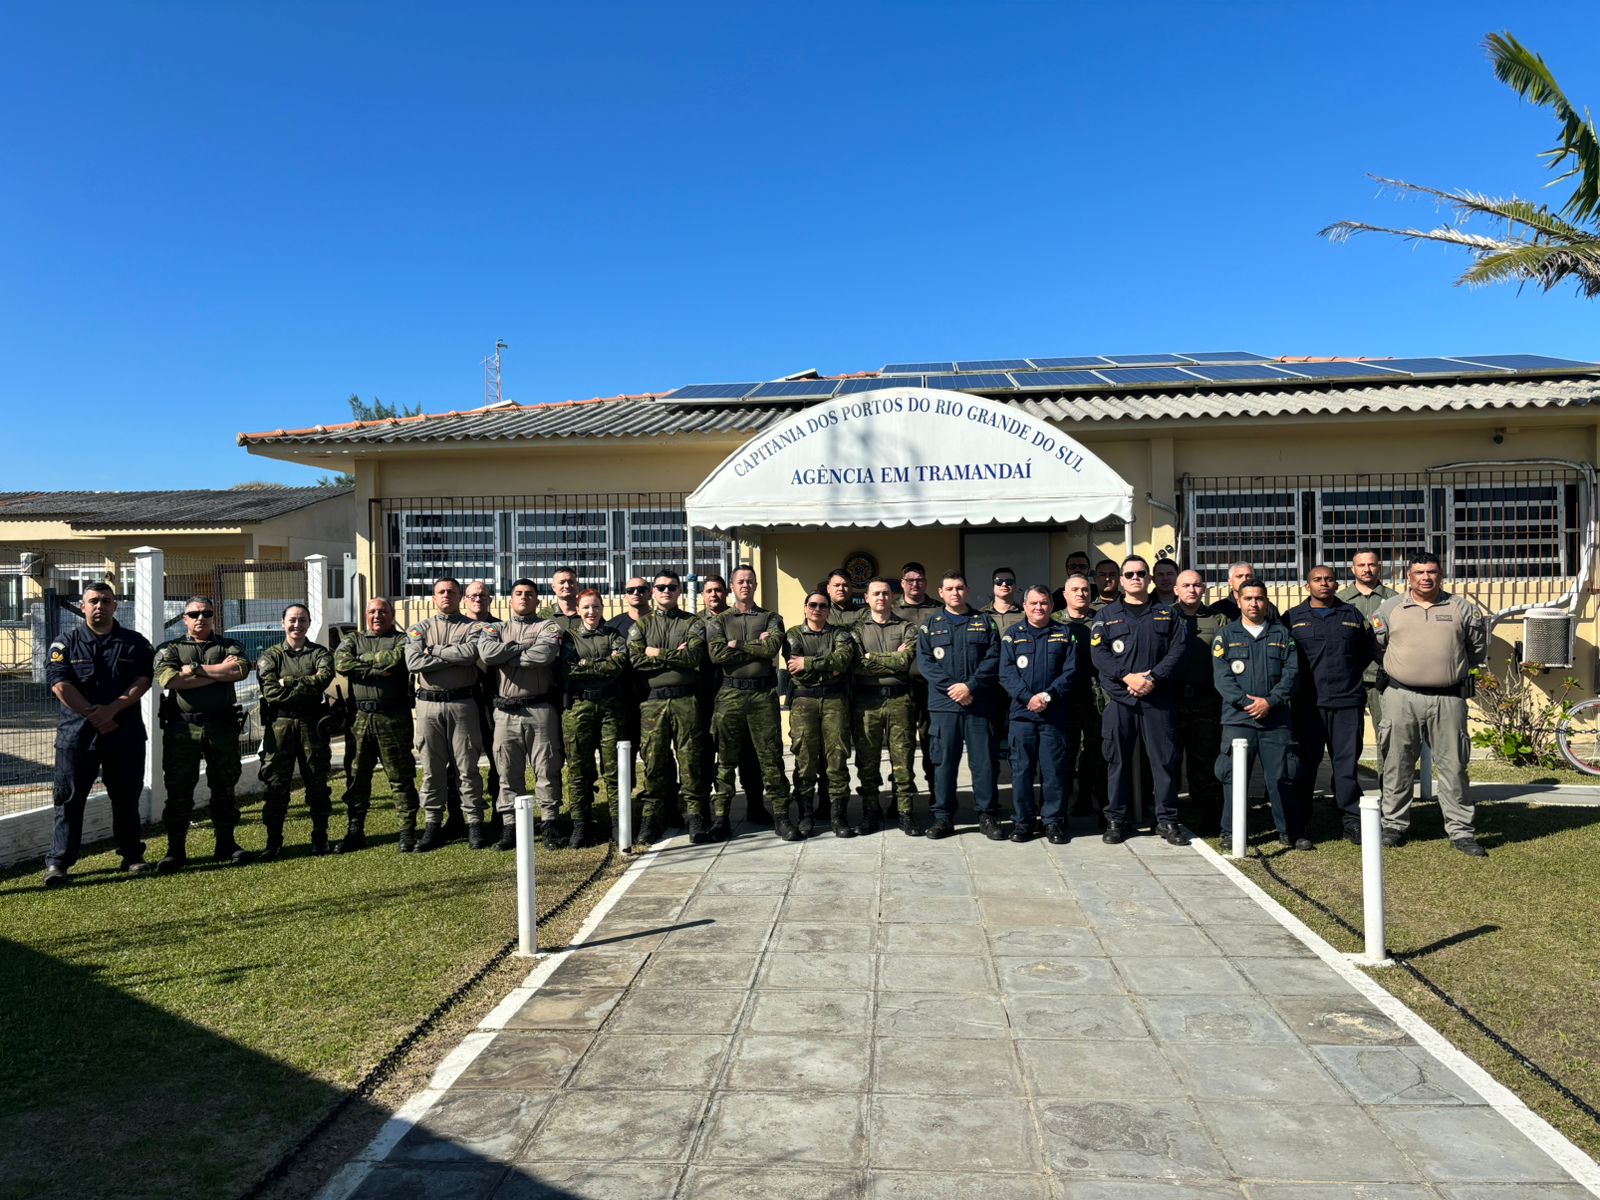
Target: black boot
(655, 827)
(908, 823)
(432, 837)
(579, 837)
(477, 836)
(455, 821)
(841, 824)
(871, 817)
(274, 846)
(721, 829)
(697, 829)
(1114, 835)
(355, 836)
(407, 841)
(177, 856)
(550, 831)
(508, 834)
(319, 836)
(991, 827)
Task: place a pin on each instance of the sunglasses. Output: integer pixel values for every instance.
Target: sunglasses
(638, 591)
(1005, 583)
(1135, 574)
(816, 606)
(666, 587)
(200, 614)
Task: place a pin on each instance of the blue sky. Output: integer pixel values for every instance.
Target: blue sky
(226, 217)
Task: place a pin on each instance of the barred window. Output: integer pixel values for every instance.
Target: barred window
(1261, 528)
(10, 596)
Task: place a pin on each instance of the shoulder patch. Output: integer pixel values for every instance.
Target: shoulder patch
(1217, 648)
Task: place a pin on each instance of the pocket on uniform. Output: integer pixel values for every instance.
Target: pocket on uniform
(936, 744)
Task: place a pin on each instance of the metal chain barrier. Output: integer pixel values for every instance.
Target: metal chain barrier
(387, 1065)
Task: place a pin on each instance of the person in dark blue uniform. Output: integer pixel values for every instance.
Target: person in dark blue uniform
(98, 671)
(1256, 668)
(1137, 648)
(958, 651)
(1038, 671)
(1335, 647)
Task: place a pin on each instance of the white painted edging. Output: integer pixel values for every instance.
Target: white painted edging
(350, 1176)
(1540, 1132)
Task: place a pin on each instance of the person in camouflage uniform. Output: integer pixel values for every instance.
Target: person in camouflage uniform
(1084, 705)
(917, 605)
(745, 641)
(1365, 592)
(200, 723)
(374, 663)
(563, 609)
(714, 592)
(819, 656)
(294, 674)
(597, 678)
(881, 714)
(1199, 705)
(666, 648)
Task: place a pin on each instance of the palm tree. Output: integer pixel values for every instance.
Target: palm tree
(1531, 244)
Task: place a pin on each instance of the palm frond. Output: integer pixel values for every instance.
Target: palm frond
(1537, 218)
(1527, 74)
(1544, 266)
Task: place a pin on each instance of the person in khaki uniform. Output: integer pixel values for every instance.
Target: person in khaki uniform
(1365, 592)
(1431, 642)
(881, 712)
(744, 641)
(294, 674)
(442, 652)
(523, 657)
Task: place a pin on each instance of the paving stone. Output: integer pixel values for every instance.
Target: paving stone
(1090, 1071)
(825, 910)
(1011, 883)
(700, 969)
(1126, 1138)
(978, 1134)
(1227, 1020)
(725, 884)
(662, 883)
(529, 1060)
(1286, 1073)
(472, 1125)
(1173, 976)
(643, 936)
(1396, 1075)
(1064, 942)
(851, 971)
(591, 1180)
(1115, 1189)
(1515, 1191)
(1459, 1144)
(557, 1008)
(678, 1012)
(927, 883)
(940, 1015)
(654, 1060)
(1119, 887)
(1155, 941)
(1210, 911)
(734, 910)
(957, 1067)
(834, 883)
(955, 1185)
(1057, 976)
(1085, 1018)
(742, 1183)
(609, 1126)
(935, 973)
(901, 938)
(787, 1127)
(453, 1181)
(776, 858)
(716, 936)
(1258, 941)
(1310, 1142)
(1133, 910)
(929, 910)
(641, 908)
(1185, 863)
(825, 1012)
(1012, 912)
(597, 968)
(794, 937)
(796, 1061)
(1291, 976)
(1342, 1191)
(1338, 1020)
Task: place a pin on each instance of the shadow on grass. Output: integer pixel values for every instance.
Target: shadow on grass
(1455, 939)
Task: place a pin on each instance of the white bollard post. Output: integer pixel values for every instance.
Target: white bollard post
(1372, 883)
(149, 619)
(527, 909)
(1427, 770)
(1241, 794)
(624, 796)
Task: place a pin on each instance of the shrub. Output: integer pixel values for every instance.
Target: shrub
(1519, 718)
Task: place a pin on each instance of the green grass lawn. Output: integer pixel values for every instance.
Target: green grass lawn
(1515, 938)
(173, 1036)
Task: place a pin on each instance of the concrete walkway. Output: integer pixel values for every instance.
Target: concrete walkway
(891, 1017)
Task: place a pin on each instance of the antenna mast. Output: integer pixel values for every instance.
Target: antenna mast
(491, 375)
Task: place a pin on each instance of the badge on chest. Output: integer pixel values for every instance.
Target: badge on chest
(1238, 666)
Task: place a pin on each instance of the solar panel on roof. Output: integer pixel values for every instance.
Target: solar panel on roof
(852, 386)
(1336, 370)
(1028, 380)
(713, 391)
(1225, 356)
(797, 389)
(1141, 360)
(1239, 373)
(972, 383)
(1524, 362)
(994, 364)
(923, 368)
(1138, 376)
(1437, 366)
(1082, 360)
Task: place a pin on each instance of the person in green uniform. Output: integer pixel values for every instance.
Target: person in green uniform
(294, 675)
(819, 656)
(374, 661)
(200, 723)
(1365, 593)
(665, 648)
(745, 641)
(881, 713)
(1085, 704)
(917, 605)
(597, 681)
(563, 609)
(1006, 609)
(1199, 705)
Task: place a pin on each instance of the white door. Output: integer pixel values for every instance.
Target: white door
(1025, 551)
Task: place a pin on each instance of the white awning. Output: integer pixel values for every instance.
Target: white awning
(908, 456)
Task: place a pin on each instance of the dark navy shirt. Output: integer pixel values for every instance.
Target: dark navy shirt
(959, 648)
(1127, 639)
(101, 668)
(1335, 652)
(1039, 660)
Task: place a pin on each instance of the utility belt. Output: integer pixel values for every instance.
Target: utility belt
(445, 695)
(764, 684)
(381, 706)
(675, 692)
(1458, 690)
(822, 693)
(604, 691)
(880, 691)
(225, 716)
(524, 703)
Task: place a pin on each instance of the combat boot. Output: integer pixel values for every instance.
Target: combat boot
(407, 841)
(721, 829)
(579, 838)
(432, 837)
(455, 824)
(871, 817)
(177, 856)
(271, 851)
(508, 834)
(841, 824)
(908, 823)
(991, 827)
(655, 827)
(550, 831)
(355, 836)
(477, 836)
(697, 830)
(319, 836)
(756, 813)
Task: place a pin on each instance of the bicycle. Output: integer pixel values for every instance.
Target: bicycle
(1578, 737)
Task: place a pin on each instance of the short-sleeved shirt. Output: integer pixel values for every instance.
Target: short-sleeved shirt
(101, 668)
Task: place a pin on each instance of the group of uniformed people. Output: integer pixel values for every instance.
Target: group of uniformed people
(1123, 678)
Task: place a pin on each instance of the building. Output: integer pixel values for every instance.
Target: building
(1487, 460)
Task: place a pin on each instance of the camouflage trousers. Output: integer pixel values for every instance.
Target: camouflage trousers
(183, 748)
(294, 741)
(382, 737)
(670, 758)
(876, 726)
(587, 728)
(1084, 749)
(748, 720)
(819, 736)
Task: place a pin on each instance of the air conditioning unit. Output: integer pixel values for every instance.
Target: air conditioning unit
(32, 564)
(1547, 637)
